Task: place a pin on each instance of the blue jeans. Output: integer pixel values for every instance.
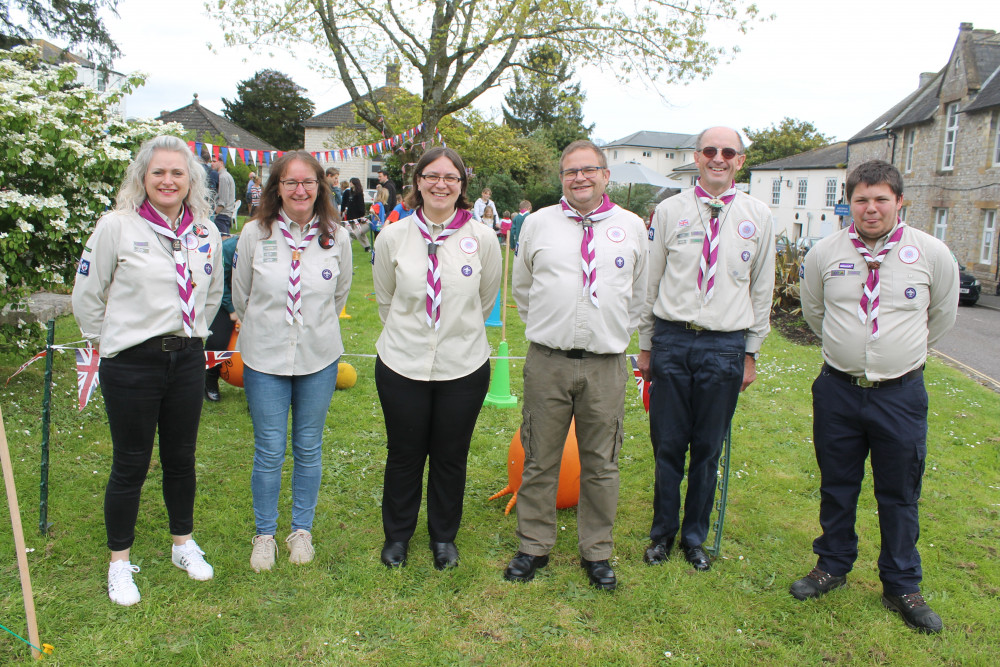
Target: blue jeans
(269, 398)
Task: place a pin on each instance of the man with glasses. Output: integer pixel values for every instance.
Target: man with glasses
(708, 306)
(580, 284)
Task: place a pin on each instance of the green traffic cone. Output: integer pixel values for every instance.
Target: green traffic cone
(499, 394)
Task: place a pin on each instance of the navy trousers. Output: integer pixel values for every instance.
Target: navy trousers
(890, 424)
(696, 381)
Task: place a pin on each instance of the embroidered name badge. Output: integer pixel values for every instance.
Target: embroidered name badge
(908, 254)
(327, 274)
(838, 272)
(846, 265)
(208, 269)
(200, 230)
(683, 235)
(84, 268)
(910, 293)
(684, 222)
(269, 252)
(619, 262)
(616, 234)
(651, 231)
(190, 241)
(854, 273)
(745, 256)
(746, 229)
(141, 247)
(466, 270)
(468, 245)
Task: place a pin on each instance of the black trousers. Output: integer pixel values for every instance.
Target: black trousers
(222, 331)
(146, 392)
(427, 420)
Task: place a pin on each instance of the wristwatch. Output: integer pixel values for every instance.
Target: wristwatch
(754, 355)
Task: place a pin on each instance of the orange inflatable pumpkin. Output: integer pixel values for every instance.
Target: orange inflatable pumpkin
(568, 494)
(232, 368)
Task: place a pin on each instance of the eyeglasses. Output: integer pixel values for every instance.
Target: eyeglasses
(710, 151)
(588, 172)
(434, 179)
(292, 185)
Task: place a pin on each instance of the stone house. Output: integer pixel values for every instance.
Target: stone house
(88, 73)
(944, 138)
(802, 191)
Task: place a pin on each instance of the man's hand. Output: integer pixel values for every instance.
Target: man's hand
(644, 365)
(749, 371)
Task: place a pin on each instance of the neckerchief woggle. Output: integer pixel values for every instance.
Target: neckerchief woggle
(588, 253)
(185, 287)
(870, 294)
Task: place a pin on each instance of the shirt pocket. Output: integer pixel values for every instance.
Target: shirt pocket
(739, 257)
(907, 291)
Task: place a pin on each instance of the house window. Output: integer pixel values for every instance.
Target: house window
(831, 192)
(616, 156)
(670, 156)
(950, 134)
(902, 213)
(940, 222)
(908, 162)
(647, 153)
(803, 186)
(775, 191)
(694, 181)
(989, 236)
(996, 143)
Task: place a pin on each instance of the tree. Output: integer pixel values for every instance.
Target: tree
(790, 137)
(65, 153)
(458, 49)
(272, 106)
(543, 104)
(74, 20)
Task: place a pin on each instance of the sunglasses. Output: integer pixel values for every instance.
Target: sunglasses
(710, 151)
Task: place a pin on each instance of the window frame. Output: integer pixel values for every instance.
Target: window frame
(831, 192)
(950, 137)
(940, 223)
(802, 193)
(775, 191)
(988, 250)
(908, 151)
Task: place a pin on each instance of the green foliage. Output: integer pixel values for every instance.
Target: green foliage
(640, 201)
(77, 21)
(790, 137)
(270, 105)
(788, 262)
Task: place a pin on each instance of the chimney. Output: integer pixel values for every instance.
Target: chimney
(392, 73)
(925, 78)
(963, 27)
(195, 102)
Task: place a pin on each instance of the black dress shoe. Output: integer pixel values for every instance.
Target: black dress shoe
(522, 566)
(445, 555)
(212, 388)
(697, 557)
(914, 610)
(394, 553)
(658, 552)
(600, 574)
(815, 584)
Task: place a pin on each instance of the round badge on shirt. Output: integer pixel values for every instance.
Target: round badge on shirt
(619, 262)
(208, 269)
(746, 229)
(616, 234)
(910, 293)
(908, 254)
(326, 241)
(745, 256)
(466, 270)
(327, 274)
(468, 245)
(200, 230)
(190, 241)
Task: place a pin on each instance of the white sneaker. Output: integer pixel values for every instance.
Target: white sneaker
(189, 557)
(300, 548)
(264, 553)
(121, 589)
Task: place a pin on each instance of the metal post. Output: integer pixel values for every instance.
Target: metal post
(720, 504)
(43, 484)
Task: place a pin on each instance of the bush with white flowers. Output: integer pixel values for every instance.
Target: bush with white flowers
(63, 153)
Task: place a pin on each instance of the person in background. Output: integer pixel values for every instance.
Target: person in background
(398, 213)
(333, 180)
(253, 187)
(149, 277)
(353, 206)
(483, 204)
(490, 218)
(291, 276)
(375, 221)
(436, 274)
(225, 319)
(390, 187)
(503, 229)
(226, 204)
(523, 210)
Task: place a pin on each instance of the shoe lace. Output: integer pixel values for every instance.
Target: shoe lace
(913, 600)
(298, 535)
(262, 544)
(122, 575)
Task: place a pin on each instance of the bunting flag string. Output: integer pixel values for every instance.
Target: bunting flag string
(25, 365)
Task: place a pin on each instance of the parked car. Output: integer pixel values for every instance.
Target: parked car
(969, 288)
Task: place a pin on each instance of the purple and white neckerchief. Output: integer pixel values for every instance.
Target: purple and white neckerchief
(433, 267)
(293, 304)
(710, 247)
(588, 254)
(185, 287)
(871, 292)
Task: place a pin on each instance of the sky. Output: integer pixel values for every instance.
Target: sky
(837, 65)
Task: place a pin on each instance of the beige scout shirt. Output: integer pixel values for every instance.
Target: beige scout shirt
(267, 342)
(126, 286)
(918, 303)
(470, 280)
(744, 275)
(548, 281)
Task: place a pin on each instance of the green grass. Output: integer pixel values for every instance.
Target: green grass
(346, 608)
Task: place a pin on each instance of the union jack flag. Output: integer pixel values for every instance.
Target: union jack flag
(641, 384)
(215, 358)
(87, 362)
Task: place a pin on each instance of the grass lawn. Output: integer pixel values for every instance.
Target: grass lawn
(346, 608)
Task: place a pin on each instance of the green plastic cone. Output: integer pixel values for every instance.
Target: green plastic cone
(499, 394)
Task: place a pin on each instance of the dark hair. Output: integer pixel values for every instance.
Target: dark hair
(580, 144)
(414, 199)
(270, 198)
(382, 171)
(356, 186)
(332, 171)
(875, 172)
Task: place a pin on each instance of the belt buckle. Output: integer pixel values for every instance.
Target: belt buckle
(170, 343)
(574, 354)
(865, 382)
(693, 326)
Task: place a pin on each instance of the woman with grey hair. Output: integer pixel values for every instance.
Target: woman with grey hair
(148, 283)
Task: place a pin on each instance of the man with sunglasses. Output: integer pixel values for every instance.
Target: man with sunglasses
(575, 366)
(708, 306)
(879, 294)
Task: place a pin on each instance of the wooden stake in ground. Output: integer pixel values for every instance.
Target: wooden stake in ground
(22, 555)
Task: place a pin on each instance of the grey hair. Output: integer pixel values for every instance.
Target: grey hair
(132, 193)
(701, 135)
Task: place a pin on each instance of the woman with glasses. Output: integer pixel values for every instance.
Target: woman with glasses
(436, 274)
(291, 276)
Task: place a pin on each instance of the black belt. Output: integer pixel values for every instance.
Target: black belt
(865, 382)
(575, 353)
(170, 343)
